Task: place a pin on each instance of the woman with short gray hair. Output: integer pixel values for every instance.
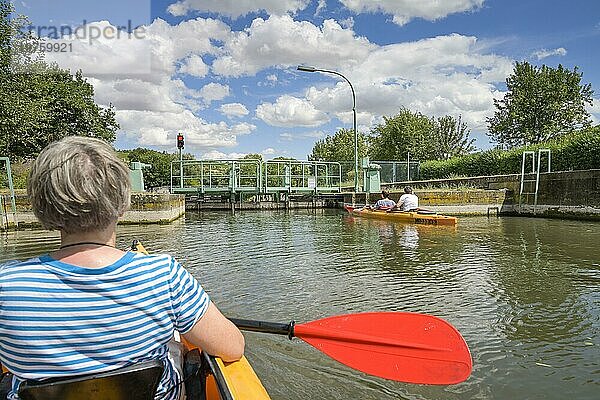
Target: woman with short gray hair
(78, 185)
(89, 307)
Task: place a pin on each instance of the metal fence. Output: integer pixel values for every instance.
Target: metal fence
(391, 171)
(254, 176)
(302, 176)
(216, 176)
(6, 180)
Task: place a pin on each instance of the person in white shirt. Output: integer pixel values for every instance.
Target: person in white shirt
(408, 201)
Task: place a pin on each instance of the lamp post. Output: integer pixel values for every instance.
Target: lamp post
(327, 71)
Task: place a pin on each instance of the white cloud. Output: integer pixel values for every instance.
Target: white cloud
(436, 76)
(543, 53)
(160, 129)
(445, 74)
(218, 155)
(194, 66)
(405, 10)
(136, 94)
(449, 74)
(270, 80)
(321, 5)
(214, 92)
(150, 58)
(313, 135)
(237, 8)
(234, 110)
(290, 111)
(100, 48)
(139, 78)
(594, 111)
(194, 36)
(283, 42)
(347, 23)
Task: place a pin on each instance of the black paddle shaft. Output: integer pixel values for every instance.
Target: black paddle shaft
(264, 327)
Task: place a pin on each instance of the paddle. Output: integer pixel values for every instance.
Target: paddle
(405, 347)
(400, 346)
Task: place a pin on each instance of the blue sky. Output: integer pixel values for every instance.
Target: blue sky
(223, 72)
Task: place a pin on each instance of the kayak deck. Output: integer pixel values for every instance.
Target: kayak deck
(240, 380)
(414, 217)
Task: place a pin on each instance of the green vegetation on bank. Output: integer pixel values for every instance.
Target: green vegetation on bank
(544, 107)
(425, 138)
(542, 103)
(160, 172)
(576, 151)
(39, 102)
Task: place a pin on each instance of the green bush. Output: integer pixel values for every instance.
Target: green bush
(577, 151)
(20, 172)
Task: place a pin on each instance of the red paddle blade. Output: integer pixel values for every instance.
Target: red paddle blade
(406, 347)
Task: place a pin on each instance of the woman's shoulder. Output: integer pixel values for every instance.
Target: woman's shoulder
(154, 260)
(15, 264)
(16, 269)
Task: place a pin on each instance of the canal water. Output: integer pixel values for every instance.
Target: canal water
(523, 293)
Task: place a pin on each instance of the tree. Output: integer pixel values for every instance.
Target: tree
(406, 132)
(453, 138)
(282, 158)
(253, 156)
(41, 103)
(542, 103)
(160, 172)
(339, 147)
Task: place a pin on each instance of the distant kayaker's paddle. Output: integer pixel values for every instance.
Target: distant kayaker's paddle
(406, 347)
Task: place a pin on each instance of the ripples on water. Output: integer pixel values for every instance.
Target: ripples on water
(523, 292)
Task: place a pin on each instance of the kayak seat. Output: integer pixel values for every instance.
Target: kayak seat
(204, 378)
(195, 378)
(135, 382)
(5, 385)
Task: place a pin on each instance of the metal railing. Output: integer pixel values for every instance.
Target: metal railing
(254, 176)
(534, 183)
(391, 172)
(218, 176)
(3, 205)
(302, 176)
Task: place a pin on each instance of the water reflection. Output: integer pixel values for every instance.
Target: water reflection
(545, 301)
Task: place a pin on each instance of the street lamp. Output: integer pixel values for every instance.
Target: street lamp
(304, 68)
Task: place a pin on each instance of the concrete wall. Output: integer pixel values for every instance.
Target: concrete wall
(145, 208)
(458, 202)
(566, 194)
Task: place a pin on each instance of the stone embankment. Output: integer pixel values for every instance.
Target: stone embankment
(566, 194)
(146, 208)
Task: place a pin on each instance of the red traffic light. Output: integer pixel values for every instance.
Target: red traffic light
(180, 142)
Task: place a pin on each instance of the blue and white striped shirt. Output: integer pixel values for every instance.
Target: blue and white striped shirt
(58, 319)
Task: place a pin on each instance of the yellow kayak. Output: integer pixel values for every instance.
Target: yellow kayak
(412, 217)
(227, 381)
